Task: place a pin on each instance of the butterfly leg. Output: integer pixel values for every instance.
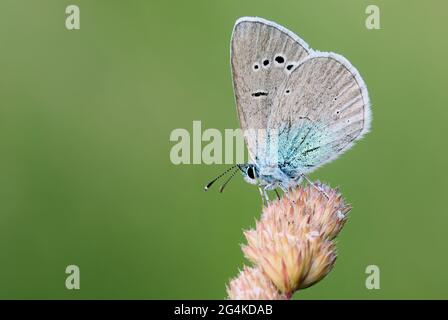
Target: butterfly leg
(264, 196)
(318, 188)
(276, 192)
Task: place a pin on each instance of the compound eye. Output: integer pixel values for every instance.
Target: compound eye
(251, 172)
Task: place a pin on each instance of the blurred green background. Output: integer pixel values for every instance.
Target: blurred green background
(85, 173)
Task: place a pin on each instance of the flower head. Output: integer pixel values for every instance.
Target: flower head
(292, 241)
(252, 284)
(323, 207)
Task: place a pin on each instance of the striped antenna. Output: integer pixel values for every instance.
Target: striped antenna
(214, 180)
(228, 180)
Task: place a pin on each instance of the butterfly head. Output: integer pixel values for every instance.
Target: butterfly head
(250, 173)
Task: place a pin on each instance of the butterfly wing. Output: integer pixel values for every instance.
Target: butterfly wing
(323, 110)
(261, 52)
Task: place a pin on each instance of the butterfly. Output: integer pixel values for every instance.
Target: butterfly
(298, 108)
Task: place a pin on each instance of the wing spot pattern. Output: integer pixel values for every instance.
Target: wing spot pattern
(310, 150)
(259, 94)
(289, 67)
(279, 59)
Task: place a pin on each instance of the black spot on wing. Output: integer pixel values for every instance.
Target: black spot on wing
(259, 94)
(309, 150)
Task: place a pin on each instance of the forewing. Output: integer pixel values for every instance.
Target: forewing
(262, 56)
(324, 108)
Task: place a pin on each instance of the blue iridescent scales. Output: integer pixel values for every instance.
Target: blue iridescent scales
(287, 153)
